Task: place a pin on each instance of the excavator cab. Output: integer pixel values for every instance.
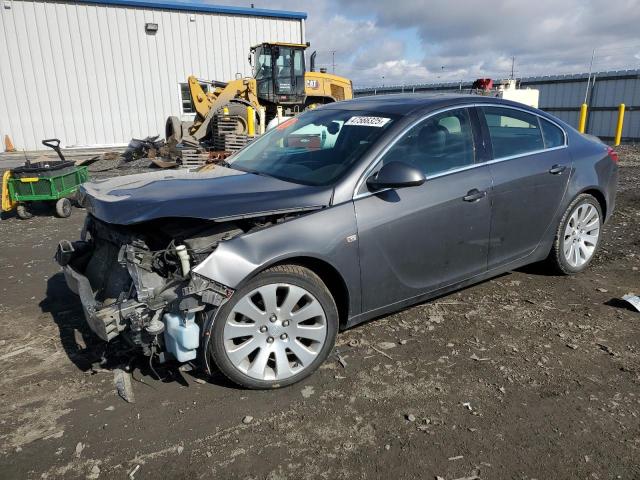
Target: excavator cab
(279, 69)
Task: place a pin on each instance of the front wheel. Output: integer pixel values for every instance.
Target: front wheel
(276, 330)
(578, 235)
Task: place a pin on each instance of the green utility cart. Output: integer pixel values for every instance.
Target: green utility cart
(45, 181)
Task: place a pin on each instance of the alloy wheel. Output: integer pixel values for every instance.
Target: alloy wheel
(581, 235)
(275, 331)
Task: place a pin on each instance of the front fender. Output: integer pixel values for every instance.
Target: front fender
(321, 235)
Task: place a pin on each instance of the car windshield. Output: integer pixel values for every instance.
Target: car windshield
(314, 148)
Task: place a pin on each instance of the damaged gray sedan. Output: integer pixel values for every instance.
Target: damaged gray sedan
(339, 215)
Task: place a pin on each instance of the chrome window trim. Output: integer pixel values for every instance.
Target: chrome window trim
(377, 160)
(519, 155)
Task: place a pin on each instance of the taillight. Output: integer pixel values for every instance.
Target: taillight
(613, 155)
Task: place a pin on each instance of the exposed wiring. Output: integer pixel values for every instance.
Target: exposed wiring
(153, 352)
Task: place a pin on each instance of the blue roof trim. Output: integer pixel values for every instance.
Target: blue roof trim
(196, 6)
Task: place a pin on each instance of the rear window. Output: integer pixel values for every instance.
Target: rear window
(513, 132)
(553, 136)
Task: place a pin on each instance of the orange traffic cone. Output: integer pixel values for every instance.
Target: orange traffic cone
(8, 144)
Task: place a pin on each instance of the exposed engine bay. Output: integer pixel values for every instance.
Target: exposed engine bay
(136, 281)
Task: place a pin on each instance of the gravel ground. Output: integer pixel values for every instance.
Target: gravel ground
(524, 376)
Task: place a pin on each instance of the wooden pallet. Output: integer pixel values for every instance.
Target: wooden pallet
(231, 142)
(192, 157)
(225, 137)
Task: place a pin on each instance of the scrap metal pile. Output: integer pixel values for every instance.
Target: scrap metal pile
(152, 151)
(224, 139)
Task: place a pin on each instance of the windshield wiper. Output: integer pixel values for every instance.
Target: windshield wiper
(256, 172)
(224, 163)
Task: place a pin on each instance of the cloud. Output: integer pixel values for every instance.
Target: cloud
(545, 36)
(416, 41)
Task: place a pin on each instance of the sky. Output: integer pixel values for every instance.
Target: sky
(396, 42)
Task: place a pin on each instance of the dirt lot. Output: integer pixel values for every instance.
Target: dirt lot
(524, 376)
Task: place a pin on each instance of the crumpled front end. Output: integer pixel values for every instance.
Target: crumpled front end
(136, 282)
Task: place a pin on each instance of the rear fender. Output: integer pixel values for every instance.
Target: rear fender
(594, 171)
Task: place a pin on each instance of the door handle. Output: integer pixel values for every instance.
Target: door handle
(557, 169)
(474, 195)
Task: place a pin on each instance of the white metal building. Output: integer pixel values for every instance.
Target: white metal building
(99, 72)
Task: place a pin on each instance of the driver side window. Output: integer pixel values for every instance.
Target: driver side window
(436, 145)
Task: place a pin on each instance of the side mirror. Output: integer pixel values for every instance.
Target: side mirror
(396, 175)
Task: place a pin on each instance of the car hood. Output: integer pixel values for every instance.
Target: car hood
(213, 194)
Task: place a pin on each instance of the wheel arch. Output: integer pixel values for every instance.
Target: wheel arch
(327, 273)
(599, 196)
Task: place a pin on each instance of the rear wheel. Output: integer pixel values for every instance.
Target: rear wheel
(23, 212)
(276, 330)
(63, 208)
(578, 235)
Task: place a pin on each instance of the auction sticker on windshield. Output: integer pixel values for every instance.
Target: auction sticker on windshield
(368, 121)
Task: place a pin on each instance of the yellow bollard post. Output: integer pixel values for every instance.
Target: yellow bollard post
(251, 122)
(582, 122)
(619, 126)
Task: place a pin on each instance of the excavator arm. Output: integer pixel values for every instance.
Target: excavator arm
(199, 98)
(207, 105)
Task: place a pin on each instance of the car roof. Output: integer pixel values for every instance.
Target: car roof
(408, 103)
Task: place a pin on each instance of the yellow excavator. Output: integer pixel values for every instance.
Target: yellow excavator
(280, 79)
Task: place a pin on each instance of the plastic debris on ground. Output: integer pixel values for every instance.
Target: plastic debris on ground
(633, 300)
(122, 382)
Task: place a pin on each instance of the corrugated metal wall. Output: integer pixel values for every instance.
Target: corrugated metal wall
(91, 75)
(562, 95)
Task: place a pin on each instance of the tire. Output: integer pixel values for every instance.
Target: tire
(63, 208)
(238, 109)
(173, 130)
(23, 212)
(567, 260)
(259, 354)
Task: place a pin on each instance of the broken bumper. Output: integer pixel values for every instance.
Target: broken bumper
(103, 322)
(131, 316)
